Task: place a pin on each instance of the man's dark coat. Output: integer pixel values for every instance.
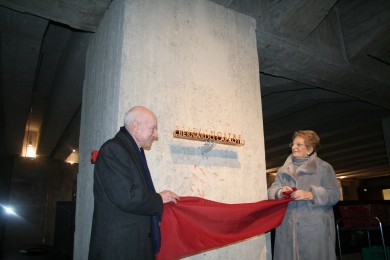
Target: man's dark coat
(121, 227)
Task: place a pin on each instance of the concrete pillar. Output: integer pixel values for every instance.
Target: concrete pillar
(194, 63)
(99, 115)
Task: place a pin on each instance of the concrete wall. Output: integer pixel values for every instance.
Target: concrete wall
(194, 63)
(99, 115)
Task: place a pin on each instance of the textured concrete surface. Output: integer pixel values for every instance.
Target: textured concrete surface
(193, 63)
(100, 118)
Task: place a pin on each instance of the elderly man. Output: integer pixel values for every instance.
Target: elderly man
(127, 209)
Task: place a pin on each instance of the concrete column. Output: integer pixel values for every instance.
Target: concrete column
(99, 114)
(194, 63)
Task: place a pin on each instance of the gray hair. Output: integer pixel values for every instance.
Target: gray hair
(129, 117)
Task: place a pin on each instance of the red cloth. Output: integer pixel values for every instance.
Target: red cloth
(195, 224)
(287, 194)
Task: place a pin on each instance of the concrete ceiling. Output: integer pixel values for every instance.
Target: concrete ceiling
(324, 65)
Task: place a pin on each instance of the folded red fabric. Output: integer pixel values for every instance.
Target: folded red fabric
(194, 224)
(287, 194)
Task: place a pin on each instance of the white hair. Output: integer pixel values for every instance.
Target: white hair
(129, 117)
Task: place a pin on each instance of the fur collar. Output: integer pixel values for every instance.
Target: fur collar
(309, 167)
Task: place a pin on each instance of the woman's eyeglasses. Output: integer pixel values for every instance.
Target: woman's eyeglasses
(299, 145)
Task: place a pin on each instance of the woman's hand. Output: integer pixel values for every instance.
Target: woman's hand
(302, 195)
(286, 191)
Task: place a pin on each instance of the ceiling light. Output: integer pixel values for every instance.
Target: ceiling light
(73, 157)
(31, 151)
(30, 144)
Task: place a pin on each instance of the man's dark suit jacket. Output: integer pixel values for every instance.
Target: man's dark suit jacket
(121, 227)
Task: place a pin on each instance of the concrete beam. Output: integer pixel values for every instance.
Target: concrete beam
(78, 14)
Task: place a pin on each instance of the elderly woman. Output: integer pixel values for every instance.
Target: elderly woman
(308, 227)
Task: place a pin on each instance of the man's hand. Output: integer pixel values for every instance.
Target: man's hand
(169, 196)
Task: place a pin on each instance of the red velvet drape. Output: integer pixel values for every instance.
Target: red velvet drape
(195, 224)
